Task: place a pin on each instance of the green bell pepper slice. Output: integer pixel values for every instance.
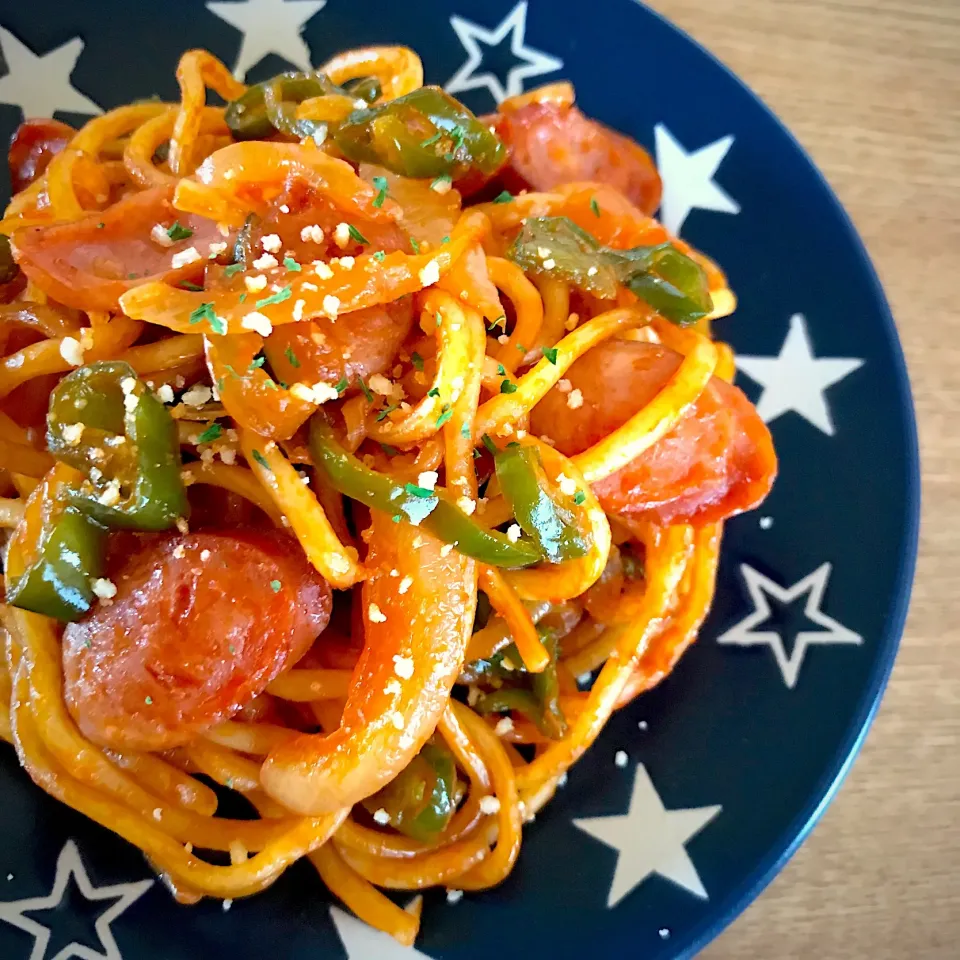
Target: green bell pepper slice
(538, 505)
(425, 133)
(540, 703)
(405, 501)
(271, 104)
(674, 284)
(61, 550)
(104, 422)
(423, 798)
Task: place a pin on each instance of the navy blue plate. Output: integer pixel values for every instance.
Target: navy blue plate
(695, 796)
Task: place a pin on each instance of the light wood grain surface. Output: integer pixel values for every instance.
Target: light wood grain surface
(871, 88)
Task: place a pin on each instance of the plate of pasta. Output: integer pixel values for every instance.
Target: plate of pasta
(436, 484)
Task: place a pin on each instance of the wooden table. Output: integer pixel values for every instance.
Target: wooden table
(872, 90)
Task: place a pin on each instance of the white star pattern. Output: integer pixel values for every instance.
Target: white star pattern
(269, 26)
(40, 84)
(796, 379)
(69, 864)
(534, 63)
(759, 587)
(362, 942)
(650, 839)
(688, 179)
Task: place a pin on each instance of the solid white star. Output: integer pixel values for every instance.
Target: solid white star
(39, 85)
(535, 61)
(363, 942)
(688, 179)
(650, 839)
(69, 864)
(269, 26)
(796, 379)
(743, 634)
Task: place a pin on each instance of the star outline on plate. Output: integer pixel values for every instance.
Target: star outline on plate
(70, 864)
(688, 178)
(650, 840)
(797, 379)
(535, 62)
(268, 26)
(20, 86)
(743, 634)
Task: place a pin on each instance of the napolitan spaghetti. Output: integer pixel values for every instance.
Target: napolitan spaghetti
(341, 433)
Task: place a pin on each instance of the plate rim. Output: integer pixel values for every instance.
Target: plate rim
(781, 852)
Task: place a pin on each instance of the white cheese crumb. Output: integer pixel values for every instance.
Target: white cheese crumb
(592, 272)
(380, 384)
(441, 186)
(322, 392)
(347, 262)
(454, 896)
(165, 393)
(271, 243)
(403, 667)
(489, 804)
(265, 262)
(467, 505)
(302, 392)
(71, 351)
(111, 495)
(503, 338)
(430, 273)
(197, 395)
(255, 284)
(297, 313)
(228, 456)
(428, 479)
(157, 813)
(642, 725)
(322, 270)
(398, 721)
(549, 264)
(179, 551)
(621, 759)
(376, 614)
(382, 817)
(130, 402)
(392, 687)
(564, 386)
(227, 904)
(503, 727)
(71, 433)
(181, 259)
(204, 556)
(543, 252)
(766, 523)
(215, 249)
(312, 232)
(575, 399)
(446, 550)
(664, 933)
(405, 584)
(183, 526)
(513, 532)
(567, 485)
(341, 235)
(307, 285)
(284, 208)
(158, 234)
(258, 323)
(331, 306)
(105, 589)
